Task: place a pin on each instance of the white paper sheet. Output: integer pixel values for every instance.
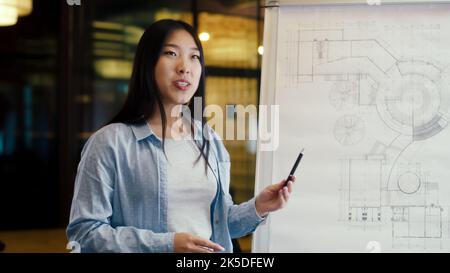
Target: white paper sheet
(366, 91)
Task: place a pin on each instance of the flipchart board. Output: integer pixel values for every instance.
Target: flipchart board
(364, 88)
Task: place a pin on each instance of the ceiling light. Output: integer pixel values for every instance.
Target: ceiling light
(204, 36)
(10, 10)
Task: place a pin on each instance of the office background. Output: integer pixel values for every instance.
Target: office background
(64, 73)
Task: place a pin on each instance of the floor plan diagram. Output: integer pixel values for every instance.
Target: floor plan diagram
(381, 80)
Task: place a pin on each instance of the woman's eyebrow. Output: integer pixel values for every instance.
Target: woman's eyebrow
(176, 46)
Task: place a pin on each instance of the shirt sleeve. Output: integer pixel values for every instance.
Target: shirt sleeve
(92, 204)
(243, 218)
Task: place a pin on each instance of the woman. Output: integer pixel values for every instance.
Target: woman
(139, 188)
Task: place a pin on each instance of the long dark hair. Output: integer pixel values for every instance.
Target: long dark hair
(143, 93)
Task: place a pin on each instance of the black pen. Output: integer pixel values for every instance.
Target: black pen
(299, 157)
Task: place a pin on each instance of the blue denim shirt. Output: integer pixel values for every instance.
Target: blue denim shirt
(120, 196)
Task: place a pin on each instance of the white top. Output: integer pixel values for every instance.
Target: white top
(190, 191)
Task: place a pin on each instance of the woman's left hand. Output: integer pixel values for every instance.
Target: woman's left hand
(274, 197)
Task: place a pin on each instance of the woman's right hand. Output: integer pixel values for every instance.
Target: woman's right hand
(186, 242)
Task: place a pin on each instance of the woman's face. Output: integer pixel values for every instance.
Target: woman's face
(178, 69)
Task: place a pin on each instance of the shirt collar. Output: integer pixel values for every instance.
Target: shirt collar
(141, 130)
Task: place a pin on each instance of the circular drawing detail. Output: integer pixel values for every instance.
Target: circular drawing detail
(409, 182)
(344, 95)
(411, 101)
(349, 130)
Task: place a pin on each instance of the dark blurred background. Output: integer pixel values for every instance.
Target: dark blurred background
(64, 72)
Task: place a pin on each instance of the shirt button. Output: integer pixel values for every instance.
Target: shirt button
(216, 222)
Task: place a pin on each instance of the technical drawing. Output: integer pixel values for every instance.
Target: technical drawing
(349, 130)
(409, 182)
(362, 188)
(344, 95)
(412, 103)
(384, 185)
(417, 225)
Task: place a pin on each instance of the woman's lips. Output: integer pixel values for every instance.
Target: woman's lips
(182, 85)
